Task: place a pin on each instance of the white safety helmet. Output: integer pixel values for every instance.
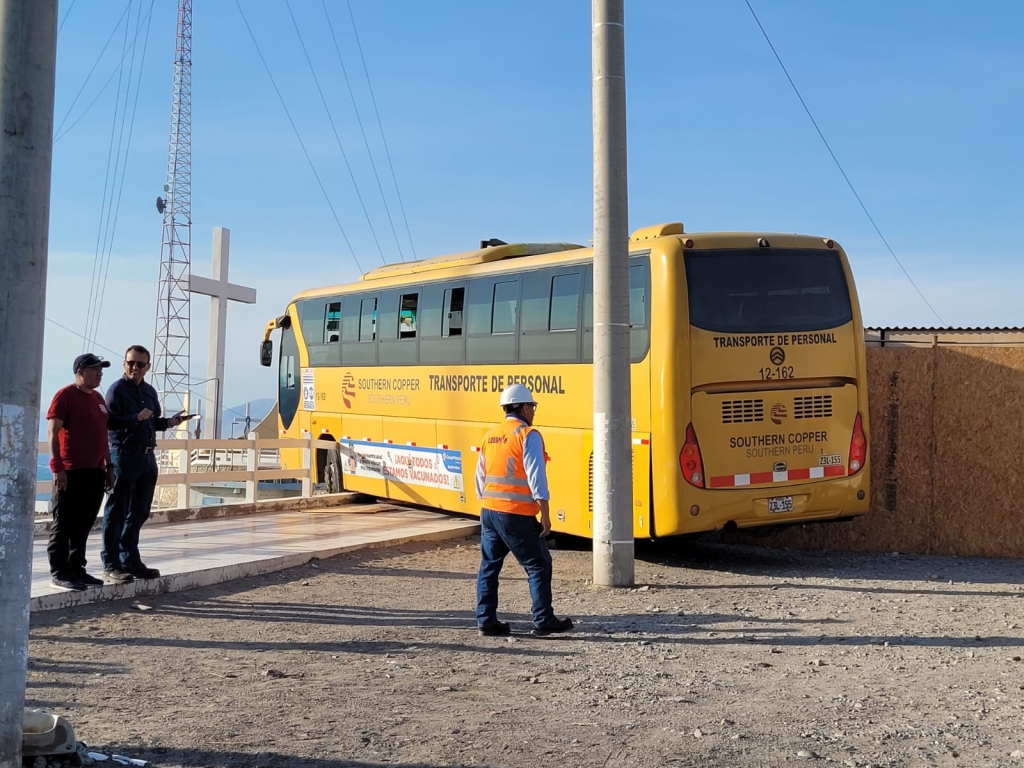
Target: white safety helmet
(516, 394)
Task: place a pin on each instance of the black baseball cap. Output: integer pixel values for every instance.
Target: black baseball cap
(89, 360)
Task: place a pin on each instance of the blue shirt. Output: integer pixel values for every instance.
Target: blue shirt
(533, 463)
(125, 401)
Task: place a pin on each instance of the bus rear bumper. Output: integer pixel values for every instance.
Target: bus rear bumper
(734, 508)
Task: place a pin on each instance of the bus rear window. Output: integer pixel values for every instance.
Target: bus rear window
(773, 290)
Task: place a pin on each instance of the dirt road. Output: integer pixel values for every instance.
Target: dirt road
(725, 656)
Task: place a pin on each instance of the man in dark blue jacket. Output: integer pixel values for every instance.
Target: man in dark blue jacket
(133, 421)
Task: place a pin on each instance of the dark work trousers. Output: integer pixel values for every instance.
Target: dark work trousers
(501, 533)
(74, 511)
(128, 506)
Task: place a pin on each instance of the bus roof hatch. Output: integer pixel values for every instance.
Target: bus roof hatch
(467, 258)
(657, 230)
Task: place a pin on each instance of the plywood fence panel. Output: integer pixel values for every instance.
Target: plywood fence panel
(979, 418)
(901, 403)
(945, 426)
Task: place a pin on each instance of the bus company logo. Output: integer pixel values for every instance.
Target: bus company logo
(777, 355)
(778, 413)
(348, 390)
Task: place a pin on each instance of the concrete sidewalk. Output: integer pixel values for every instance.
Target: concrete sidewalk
(202, 552)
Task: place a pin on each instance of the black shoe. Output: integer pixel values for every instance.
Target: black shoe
(64, 583)
(142, 571)
(88, 579)
(117, 575)
(555, 627)
(495, 629)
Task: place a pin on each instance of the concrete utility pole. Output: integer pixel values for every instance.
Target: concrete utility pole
(613, 476)
(28, 62)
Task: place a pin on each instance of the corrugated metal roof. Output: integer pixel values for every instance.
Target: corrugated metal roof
(978, 329)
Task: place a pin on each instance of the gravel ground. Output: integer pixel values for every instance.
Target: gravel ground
(723, 656)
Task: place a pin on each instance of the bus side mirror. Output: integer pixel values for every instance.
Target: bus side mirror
(266, 353)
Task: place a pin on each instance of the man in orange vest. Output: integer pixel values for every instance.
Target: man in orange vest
(512, 484)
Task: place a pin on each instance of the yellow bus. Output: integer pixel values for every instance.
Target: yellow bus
(749, 388)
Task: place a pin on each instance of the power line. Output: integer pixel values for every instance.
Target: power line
(380, 126)
(82, 336)
(362, 130)
(66, 14)
(107, 183)
(93, 68)
(839, 165)
(58, 136)
(297, 135)
(337, 138)
(127, 152)
(97, 345)
(105, 249)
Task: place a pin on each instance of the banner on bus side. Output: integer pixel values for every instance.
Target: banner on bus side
(411, 465)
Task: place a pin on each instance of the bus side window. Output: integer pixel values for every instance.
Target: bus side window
(503, 319)
(407, 316)
(588, 314)
(354, 350)
(332, 323)
(368, 319)
(311, 319)
(639, 312)
(350, 320)
(550, 318)
(396, 327)
(452, 318)
(440, 336)
(493, 320)
(565, 302)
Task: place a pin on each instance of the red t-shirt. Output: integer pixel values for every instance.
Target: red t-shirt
(83, 438)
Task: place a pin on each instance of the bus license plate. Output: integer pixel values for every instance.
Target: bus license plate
(780, 504)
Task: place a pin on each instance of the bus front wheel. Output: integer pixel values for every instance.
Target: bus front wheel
(332, 471)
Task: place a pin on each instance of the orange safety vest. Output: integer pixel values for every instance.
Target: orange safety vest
(506, 488)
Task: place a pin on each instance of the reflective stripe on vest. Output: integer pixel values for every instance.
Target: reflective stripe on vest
(506, 487)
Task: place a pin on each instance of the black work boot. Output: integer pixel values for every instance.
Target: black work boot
(553, 627)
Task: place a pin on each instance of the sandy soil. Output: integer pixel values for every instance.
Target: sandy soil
(725, 656)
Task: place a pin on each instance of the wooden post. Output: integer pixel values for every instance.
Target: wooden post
(184, 465)
(252, 465)
(307, 467)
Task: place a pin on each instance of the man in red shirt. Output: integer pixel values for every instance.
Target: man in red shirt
(80, 462)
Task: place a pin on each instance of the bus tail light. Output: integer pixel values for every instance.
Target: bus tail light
(690, 462)
(858, 447)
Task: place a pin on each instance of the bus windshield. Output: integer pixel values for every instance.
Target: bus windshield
(774, 290)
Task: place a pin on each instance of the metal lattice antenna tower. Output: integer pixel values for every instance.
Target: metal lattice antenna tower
(170, 372)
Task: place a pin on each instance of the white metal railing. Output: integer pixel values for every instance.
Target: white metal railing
(189, 462)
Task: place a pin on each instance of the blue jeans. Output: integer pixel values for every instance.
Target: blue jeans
(501, 533)
(128, 507)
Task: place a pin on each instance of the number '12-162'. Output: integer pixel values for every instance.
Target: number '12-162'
(778, 372)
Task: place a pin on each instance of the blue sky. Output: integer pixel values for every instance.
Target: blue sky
(486, 111)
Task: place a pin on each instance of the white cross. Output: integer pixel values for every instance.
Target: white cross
(220, 292)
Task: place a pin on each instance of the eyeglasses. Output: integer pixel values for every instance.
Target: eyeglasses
(136, 363)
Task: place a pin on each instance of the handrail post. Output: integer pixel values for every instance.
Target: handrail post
(184, 465)
(307, 467)
(252, 463)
